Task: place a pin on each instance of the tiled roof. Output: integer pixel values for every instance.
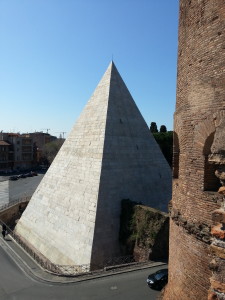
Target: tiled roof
(3, 143)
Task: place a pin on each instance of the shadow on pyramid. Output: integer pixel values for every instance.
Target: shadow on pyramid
(73, 217)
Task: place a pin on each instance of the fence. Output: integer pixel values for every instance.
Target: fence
(65, 270)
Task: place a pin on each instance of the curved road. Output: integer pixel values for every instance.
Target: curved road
(15, 284)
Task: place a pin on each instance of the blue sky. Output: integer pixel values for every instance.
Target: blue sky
(53, 53)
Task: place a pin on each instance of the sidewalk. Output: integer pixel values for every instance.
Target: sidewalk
(29, 266)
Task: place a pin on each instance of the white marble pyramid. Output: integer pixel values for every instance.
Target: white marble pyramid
(73, 217)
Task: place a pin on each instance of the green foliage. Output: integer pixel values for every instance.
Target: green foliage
(138, 225)
(163, 128)
(153, 235)
(51, 149)
(127, 219)
(146, 221)
(153, 127)
(165, 141)
(143, 228)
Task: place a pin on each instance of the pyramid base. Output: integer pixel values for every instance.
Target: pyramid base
(45, 263)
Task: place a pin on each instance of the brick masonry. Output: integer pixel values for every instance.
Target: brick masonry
(200, 111)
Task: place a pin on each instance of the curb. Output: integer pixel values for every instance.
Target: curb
(17, 259)
(71, 280)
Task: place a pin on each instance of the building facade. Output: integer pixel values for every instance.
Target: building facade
(4, 155)
(22, 151)
(40, 139)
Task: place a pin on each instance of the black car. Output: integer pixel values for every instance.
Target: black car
(14, 177)
(29, 174)
(23, 176)
(158, 279)
(33, 173)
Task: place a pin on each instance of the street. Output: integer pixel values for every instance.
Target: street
(23, 187)
(16, 285)
(14, 190)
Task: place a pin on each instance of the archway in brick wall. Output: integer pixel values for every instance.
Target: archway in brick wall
(204, 137)
(211, 182)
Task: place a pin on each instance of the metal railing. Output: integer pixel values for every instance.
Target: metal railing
(65, 270)
(120, 260)
(40, 259)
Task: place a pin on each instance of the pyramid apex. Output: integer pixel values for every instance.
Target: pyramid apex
(111, 72)
(112, 68)
(111, 64)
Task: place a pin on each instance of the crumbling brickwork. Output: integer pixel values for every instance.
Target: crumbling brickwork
(200, 111)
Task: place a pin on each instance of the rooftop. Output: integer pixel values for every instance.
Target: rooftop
(3, 143)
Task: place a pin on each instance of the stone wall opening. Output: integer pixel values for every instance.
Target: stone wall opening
(176, 155)
(211, 182)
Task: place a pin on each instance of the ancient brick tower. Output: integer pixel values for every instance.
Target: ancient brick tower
(197, 244)
(73, 217)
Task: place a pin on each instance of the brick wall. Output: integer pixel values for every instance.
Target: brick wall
(188, 267)
(199, 107)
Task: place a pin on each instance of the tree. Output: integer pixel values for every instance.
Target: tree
(153, 127)
(165, 142)
(51, 149)
(163, 128)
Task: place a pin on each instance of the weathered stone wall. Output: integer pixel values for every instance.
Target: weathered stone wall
(13, 213)
(152, 234)
(200, 109)
(144, 232)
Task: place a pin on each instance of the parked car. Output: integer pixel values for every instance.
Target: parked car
(29, 174)
(14, 177)
(23, 176)
(158, 279)
(33, 173)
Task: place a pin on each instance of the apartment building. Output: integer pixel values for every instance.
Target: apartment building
(4, 155)
(22, 151)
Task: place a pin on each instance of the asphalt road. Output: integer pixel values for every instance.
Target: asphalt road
(23, 187)
(11, 191)
(17, 285)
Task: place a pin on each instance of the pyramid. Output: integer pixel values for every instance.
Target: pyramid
(73, 217)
